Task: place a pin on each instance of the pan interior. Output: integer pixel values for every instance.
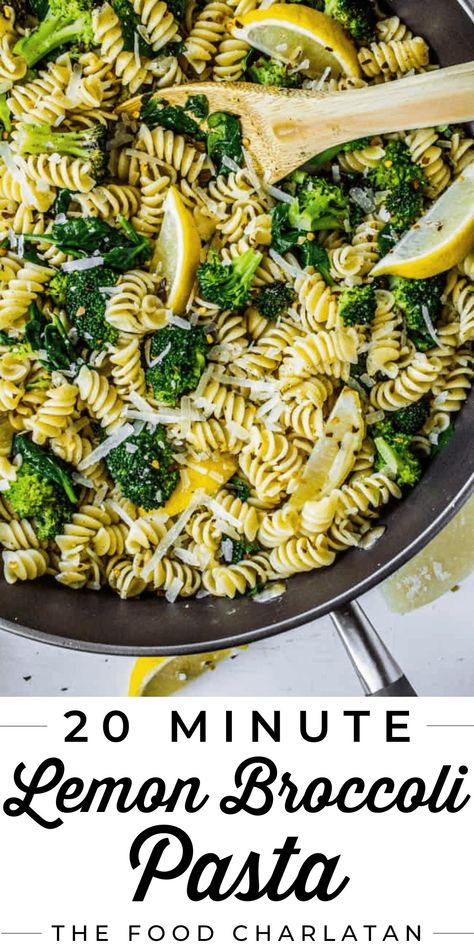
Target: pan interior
(101, 622)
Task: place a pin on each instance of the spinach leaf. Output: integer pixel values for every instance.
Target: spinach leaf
(53, 469)
(224, 140)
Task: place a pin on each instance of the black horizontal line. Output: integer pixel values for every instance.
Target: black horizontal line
(450, 725)
(24, 725)
(21, 933)
(453, 933)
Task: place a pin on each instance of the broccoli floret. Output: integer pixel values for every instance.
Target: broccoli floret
(80, 293)
(393, 451)
(120, 249)
(271, 72)
(88, 143)
(5, 119)
(66, 22)
(273, 300)
(228, 284)
(418, 299)
(155, 111)
(318, 205)
(234, 551)
(357, 305)
(37, 499)
(143, 468)
(315, 4)
(43, 489)
(395, 167)
(405, 204)
(224, 140)
(239, 487)
(357, 16)
(182, 359)
(411, 419)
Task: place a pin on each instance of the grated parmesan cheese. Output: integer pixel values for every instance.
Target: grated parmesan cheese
(125, 431)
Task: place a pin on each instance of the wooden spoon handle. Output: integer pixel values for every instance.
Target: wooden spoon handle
(305, 125)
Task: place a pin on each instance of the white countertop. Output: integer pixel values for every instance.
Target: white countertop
(434, 645)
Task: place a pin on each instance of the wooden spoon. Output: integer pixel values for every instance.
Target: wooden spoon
(287, 127)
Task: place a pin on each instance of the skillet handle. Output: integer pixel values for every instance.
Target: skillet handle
(377, 670)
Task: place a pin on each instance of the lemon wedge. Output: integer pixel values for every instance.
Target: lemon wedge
(333, 455)
(177, 250)
(440, 239)
(162, 677)
(297, 34)
(210, 477)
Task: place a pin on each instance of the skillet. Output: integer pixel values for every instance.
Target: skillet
(101, 622)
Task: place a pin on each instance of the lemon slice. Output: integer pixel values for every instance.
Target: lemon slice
(440, 239)
(210, 477)
(333, 455)
(297, 34)
(162, 677)
(177, 250)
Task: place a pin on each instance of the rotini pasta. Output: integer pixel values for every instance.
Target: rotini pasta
(175, 465)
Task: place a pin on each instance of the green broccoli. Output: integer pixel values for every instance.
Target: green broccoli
(143, 468)
(420, 302)
(234, 551)
(35, 498)
(405, 204)
(224, 141)
(88, 144)
(228, 284)
(271, 72)
(273, 299)
(357, 305)
(393, 451)
(34, 494)
(357, 16)
(156, 112)
(284, 237)
(318, 205)
(66, 22)
(5, 119)
(177, 361)
(80, 292)
(395, 168)
(411, 419)
(129, 23)
(118, 247)
(239, 487)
